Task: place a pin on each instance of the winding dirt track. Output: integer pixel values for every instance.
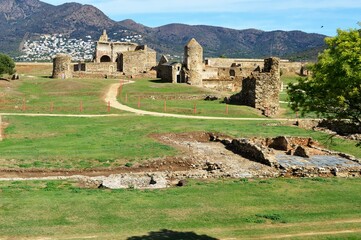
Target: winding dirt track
(111, 97)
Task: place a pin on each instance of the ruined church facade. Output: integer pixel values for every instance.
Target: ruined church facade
(112, 59)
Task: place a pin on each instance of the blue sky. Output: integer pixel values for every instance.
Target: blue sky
(312, 16)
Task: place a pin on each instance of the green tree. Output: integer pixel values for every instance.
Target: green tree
(7, 65)
(334, 88)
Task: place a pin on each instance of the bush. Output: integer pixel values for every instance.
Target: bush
(7, 65)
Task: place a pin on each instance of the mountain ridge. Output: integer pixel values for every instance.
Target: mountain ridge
(20, 19)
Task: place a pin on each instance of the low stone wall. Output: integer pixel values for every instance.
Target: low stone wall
(252, 151)
(294, 156)
(105, 67)
(97, 75)
(210, 73)
(286, 66)
(223, 85)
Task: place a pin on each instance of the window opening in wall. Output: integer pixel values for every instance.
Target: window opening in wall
(232, 73)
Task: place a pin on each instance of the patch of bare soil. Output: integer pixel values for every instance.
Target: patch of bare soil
(199, 156)
(207, 155)
(163, 164)
(34, 68)
(4, 83)
(213, 156)
(64, 86)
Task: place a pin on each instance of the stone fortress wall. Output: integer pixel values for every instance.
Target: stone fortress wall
(258, 82)
(142, 59)
(286, 66)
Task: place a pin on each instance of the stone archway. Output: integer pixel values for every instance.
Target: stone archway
(105, 58)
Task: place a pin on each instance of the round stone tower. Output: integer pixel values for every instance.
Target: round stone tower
(193, 62)
(62, 66)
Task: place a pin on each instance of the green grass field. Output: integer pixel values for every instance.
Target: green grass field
(79, 143)
(158, 96)
(46, 95)
(37, 93)
(61, 142)
(214, 209)
(228, 209)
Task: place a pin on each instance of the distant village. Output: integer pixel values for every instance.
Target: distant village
(44, 47)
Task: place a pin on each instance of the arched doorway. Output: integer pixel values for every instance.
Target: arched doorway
(105, 58)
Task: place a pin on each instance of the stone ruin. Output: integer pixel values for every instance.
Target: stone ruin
(295, 156)
(121, 57)
(261, 89)
(193, 63)
(259, 86)
(111, 59)
(214, 155)
(62, 67)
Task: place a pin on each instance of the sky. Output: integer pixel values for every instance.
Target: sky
(311, 16)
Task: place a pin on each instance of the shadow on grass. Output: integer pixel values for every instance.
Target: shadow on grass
(160, 81)
(47, 76)
(166, 234)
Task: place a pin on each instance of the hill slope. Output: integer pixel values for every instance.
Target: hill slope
(21, 19)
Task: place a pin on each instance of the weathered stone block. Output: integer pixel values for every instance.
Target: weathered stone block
(280, 143)
(301, 152)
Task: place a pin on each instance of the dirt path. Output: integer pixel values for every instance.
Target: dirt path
(111, 97)
(310, 234)
(63, 115)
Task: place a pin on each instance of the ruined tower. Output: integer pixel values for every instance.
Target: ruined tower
(193, 62)
(62, 66)
(262, 88)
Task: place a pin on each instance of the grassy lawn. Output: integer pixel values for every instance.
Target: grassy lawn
(159, 96)
(218, 209)
(63, 142)
(313, 208)
(289, 79)
(46, 95)
(37, 93)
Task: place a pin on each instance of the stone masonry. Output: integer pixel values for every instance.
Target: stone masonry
(62, 67)
(140, 60)
(261, 89)
(259, 86)
(111, 59)
(193, 62)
